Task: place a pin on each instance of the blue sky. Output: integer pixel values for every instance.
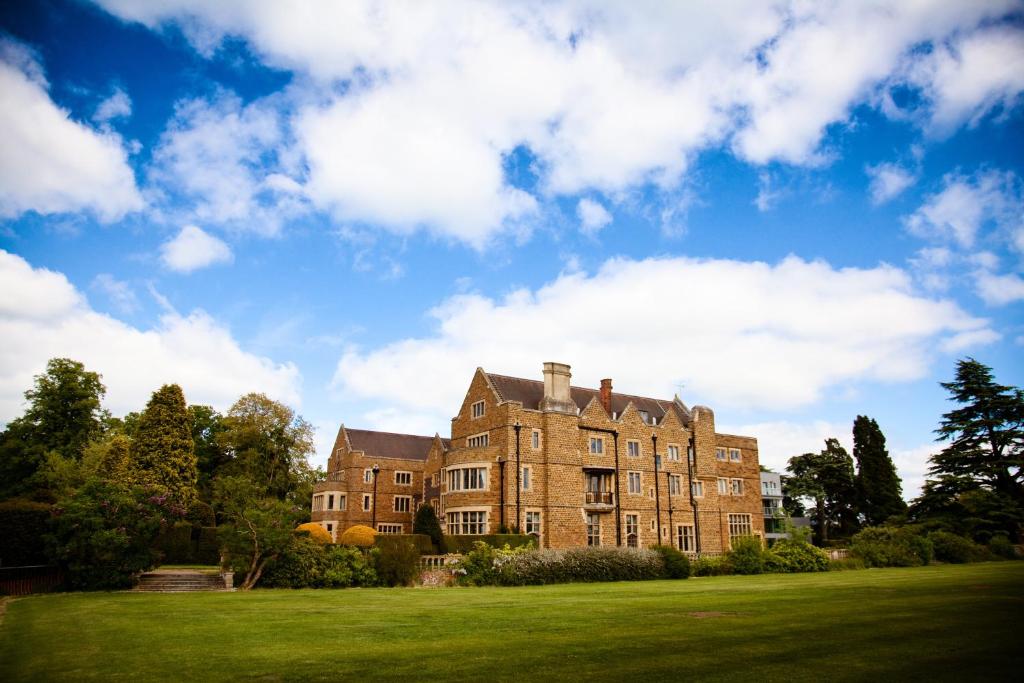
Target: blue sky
(792, 212)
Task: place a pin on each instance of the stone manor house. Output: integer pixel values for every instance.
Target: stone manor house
(570, 465)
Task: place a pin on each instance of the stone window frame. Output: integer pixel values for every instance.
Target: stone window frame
(528, 523)
(342, 502)
(736, 487)
(526, 478)
(592, 521)
(367, 502)
(697, 488)
(677, 480)
(639, 489)
(635, 531)
(403, 483)
(672, 452)
(535, 439)
(735, 455)
(481, 440)
(630, 443)
(464, 526)
(721, 454)
(687, 542)
(477, 409)
(368, 475)
(318, 502)
(329, 528)
(740, 524)
(599, 442)
(389, 528)
(485, 476)
(724, 487)
(408, 503)
(330, 501)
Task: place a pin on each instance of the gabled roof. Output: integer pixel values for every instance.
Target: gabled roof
(530, 392)
(391, 445)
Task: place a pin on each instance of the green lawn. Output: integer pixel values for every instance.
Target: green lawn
(941, 622)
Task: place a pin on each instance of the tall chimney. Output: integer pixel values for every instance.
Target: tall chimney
(557, 397)
(606, 395)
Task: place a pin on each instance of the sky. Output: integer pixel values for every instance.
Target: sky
(792, 212)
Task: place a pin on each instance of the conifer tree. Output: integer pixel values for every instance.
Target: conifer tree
(162, 449)
(426, 522)
(879, 495)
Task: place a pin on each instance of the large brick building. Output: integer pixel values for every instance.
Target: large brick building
(573, 466)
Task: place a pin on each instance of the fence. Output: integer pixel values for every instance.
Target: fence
(838, 554)
(428, 562)
(26, 580)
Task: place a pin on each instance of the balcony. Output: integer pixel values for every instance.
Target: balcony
(599, 500)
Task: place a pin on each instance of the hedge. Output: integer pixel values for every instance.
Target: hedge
(523, 567)
(464, 544)
(186, 544)
(424, 544)
(23, 527)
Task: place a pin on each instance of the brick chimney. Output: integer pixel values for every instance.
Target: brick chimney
(557, 397)
(606, 395)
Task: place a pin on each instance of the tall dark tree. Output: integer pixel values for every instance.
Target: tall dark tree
(426, 522)
(879, 494)
(985, 433)
(827, 478)
(162, 450)
(207, 426)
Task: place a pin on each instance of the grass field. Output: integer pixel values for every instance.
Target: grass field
(951, 622)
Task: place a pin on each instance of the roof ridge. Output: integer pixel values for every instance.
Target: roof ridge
(574, 386)
(377, 431)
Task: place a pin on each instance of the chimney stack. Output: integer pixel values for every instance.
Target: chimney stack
(606, 395)
(557, 397)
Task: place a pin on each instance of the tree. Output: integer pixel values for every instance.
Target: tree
(162, 449)
(985, 433)
(879, 495)
(257, 528)
(426, 522)
(827, 477)
(207, 426)
(269, 444)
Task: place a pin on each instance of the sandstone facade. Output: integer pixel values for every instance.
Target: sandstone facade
(574, 466)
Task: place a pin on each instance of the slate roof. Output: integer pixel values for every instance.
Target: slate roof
(390, 445)
(530, 392)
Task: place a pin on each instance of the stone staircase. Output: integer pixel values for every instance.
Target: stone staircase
(180, 581)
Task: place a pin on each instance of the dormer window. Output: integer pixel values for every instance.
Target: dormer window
(645, 416)
(478, 409)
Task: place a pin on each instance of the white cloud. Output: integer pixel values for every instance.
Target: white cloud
(43, 316)
(193, 249)
(777, 442)
(767, 196)
(888, 181)
(593, 216)
(50, 163)
(120, 293)
(967, 204)
(605, 96)
(737, 334)
(117, 106)
(999, 290)
(912, 466)
(225, 163)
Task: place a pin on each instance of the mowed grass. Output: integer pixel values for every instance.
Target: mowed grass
(930, 623)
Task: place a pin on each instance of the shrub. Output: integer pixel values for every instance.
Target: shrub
(523, 566)
(677, 564)
(23, 527)
(397, 564)
(175, 544)
(308, 564)
(359, 535)
(464, 544)
(711, 565)
(955, 549)
(426, 522)
(746, 555)
(846, 563)
(423, 544)
(884, 546)
(207, 546)
(1000, 546)
(316, 532)
(789, 555)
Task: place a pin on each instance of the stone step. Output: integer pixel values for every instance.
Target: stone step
(168, 582)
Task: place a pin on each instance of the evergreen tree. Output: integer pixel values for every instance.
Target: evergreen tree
(985, 434)
(879, 495)
(827, 478)
(162, 449)
(207, 426)
(426, 522)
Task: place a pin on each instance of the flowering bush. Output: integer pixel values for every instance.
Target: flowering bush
(359, 535)
(316, 532)
(525, 566)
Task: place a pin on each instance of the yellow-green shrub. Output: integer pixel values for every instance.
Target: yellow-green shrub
(358, 535)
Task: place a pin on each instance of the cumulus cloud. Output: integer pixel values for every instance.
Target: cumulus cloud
(777, 442)
(593, 216)
(605, 96)
(42, 316)
(117, 106)
(999, 290)
(193, 249)
(226, 163)
(888, 181)
(50, 163)
(120, 293)
(737, 334)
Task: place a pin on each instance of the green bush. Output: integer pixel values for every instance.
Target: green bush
(677, 564)
(23, 528)
(956, 549)
(397, 564)
(746, 555)
(464, 544)
(426, 522)
(308, 564)
(790, 556)
(884, 546)
(1000, 546)
(424, 544)
(711, 565)
(522, 566)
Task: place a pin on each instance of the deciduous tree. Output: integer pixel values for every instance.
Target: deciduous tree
(827, 478)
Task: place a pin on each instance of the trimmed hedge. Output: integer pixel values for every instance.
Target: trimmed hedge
(359, 535)
(186, 544)
(23, 527)
(464, 544)
(524, 567)
(316, 532)
(423, 544)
